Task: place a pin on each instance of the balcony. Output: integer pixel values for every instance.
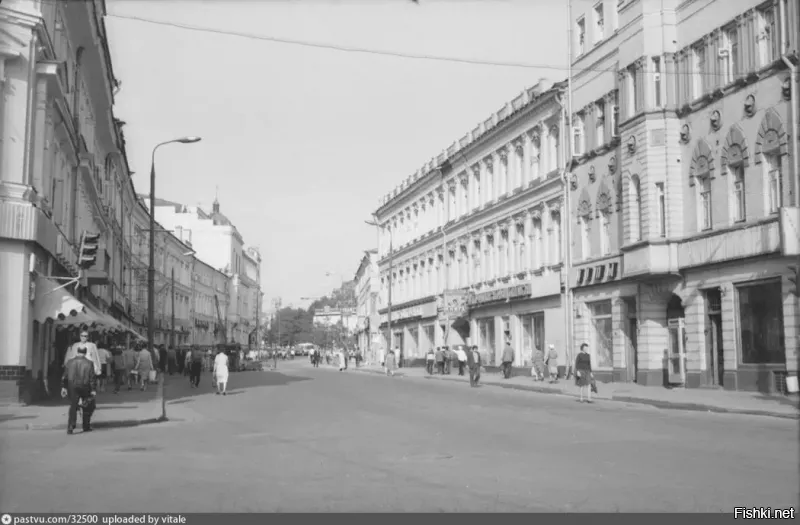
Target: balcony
(740, 242)
(650, 259)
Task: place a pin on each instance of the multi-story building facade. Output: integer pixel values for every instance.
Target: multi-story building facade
(684, 202)
(209, 289)
(62, 172)
(477, 231)
(367, 290)
(174, 292)
(219, 244)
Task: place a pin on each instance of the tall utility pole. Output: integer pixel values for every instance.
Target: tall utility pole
(172, 300)
(567, 214)
(258, 317)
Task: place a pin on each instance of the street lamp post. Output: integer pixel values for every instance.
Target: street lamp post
(151, 268)
(389, 294)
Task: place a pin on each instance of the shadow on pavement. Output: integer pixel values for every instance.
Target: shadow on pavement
(12, 417)
(238, 383)
(111, 425)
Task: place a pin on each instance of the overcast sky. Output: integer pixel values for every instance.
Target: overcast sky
(302, 141)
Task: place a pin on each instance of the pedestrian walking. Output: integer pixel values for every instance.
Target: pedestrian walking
(439, 359)
(448, 359)
(583, 373)
(79, 382)
(172, 360)
(474, 364)
(196, 367)
(129, 360)
(103, 354)
(187, 363)
(508, 359)
(341, 357)
(430, 358)
(461, 355)
(91, 351)
(538, 364)
(143, 366)
(391, 363)
(221, 372)
(552, 363)
(119, 369)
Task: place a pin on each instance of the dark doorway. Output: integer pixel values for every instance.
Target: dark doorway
(715, 355)
(632, 329)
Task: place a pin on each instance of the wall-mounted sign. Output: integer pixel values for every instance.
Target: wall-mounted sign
(518, 291)
(453, 303)
(409, 312)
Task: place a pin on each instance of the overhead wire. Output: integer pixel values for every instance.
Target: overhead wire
(395, 54)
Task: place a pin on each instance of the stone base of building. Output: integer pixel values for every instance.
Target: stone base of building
(650, 377)
(16, 386)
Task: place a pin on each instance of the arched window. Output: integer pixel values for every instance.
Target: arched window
(771, 148)
(704, 212)
(700, 175)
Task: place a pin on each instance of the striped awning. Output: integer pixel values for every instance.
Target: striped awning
(57, 304)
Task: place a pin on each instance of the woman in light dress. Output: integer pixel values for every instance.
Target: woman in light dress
(391, 363)
(221, 372)
(342, 363)
(143, 365)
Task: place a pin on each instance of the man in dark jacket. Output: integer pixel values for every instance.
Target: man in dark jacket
(439, 360)
(508, 359)
(474, 364)
(80, 383)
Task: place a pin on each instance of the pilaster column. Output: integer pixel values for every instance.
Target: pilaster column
(498, 242)
(525, 144)
(38, 156)
(511, 251)
(486, 260)
(476, 187)
(503, 171)
(489, 179)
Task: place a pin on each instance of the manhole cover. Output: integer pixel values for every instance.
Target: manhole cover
(139, 449)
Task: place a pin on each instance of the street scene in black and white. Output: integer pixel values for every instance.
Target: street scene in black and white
(522, 256)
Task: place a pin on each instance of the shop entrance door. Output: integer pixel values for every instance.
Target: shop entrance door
(676, 358)
(714, 351)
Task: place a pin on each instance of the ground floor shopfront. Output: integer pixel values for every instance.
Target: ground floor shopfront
(732, 326)
(529, 315)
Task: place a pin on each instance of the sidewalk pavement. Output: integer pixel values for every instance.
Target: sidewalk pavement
(695, 399)
(126, 409)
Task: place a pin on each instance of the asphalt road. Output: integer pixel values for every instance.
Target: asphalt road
(304, 439)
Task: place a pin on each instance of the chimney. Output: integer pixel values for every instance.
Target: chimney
(215, 207)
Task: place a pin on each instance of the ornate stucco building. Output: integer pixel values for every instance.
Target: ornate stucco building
(477, 232)
(685, 215)
(218, 243)
(367, 290)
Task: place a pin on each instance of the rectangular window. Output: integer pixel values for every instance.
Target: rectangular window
(613, 113)
(767, 36)
(599, 123)
(761, 323)
(586, 246)
(602, 325)
(599, 22)
(729, 55)
(605, 237)
(537, 242)
(705, 203)
(634, 91)
(581, 37)
(657, 82)
(774, 186)
(738, 194)
(661, 203)
(698, 70)
(578, 135)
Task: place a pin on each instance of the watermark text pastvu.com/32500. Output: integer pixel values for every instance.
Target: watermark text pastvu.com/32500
(763, 513)
(92, 519)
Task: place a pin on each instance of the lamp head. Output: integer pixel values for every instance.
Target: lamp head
(189, 140)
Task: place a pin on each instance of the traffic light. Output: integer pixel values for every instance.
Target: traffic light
(795, 279)
(90, 243)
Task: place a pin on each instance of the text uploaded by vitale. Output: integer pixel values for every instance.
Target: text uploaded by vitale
(92, 519)
(763, 513)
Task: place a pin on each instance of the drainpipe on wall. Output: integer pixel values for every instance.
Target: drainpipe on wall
(793, 102)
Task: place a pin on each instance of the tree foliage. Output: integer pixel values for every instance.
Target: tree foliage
(297, 325)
